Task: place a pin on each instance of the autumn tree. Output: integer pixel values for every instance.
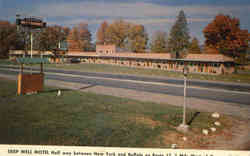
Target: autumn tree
(225, 35)
(249, 43)
(8, 38)
(179, 35)
(117, 33)
(81, 34)
(137, 38)
(50, 38)
(101, 33)
(127, 35)
(159, 42)
(194, 47)
(84, 36)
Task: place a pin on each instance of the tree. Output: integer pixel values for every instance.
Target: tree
(179, 35)
(194, 46)
(159, 42)
(117, 33)
(8, 38)
(225, 35)
(101, 33)
(82, 36)
(127, 35)
(137, 38)
(50, 37)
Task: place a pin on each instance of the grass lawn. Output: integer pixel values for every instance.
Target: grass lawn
(6, 62)
(239, 77)
(79, 118)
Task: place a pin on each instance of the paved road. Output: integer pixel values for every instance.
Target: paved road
(203, 84)
(201, 90)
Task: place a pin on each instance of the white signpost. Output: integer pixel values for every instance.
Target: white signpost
(184, 127)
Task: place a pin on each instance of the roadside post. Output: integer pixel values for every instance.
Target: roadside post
(184, 127)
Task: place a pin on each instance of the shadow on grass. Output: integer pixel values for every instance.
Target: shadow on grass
(64, 90)
(193, 117)
(86, 87)
(54, 90)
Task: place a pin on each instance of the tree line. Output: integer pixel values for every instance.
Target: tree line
(223, 33)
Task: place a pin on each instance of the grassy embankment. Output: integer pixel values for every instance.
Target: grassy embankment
(239, 77)
(78, 118)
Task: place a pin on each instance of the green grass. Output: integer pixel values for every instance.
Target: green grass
(239, 77)
(6, 62)
(86, 119)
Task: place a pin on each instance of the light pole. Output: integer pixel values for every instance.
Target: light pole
(31, 44)
(29, 24)
(184, 127)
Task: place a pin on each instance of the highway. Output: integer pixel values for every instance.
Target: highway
(218, 91)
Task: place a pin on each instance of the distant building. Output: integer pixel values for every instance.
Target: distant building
(210, 63)
(210, 50)
(105, 49)
(207, 63)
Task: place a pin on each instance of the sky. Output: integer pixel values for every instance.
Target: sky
(153, 14)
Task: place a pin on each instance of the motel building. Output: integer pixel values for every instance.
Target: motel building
(214, 64)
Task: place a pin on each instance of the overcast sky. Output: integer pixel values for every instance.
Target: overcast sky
(153, 14)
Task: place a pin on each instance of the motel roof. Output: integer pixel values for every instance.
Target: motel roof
(160, 56)
(154, 56)
(209, 57)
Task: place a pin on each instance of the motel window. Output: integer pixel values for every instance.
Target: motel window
(216, 64)
(227, 64)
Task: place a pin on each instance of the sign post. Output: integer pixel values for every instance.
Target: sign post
(184, 127)
(33, 82)
(31, 44)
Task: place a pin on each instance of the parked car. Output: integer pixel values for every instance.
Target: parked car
(75, 60)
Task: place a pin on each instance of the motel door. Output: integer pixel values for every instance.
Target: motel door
(206, 68)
